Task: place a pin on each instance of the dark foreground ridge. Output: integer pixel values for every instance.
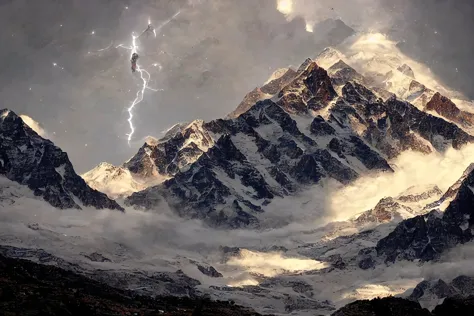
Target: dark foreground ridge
(394, 306)
(28, 288)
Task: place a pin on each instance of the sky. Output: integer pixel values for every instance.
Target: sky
(60, 65)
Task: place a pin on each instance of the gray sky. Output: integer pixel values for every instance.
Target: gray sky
(211, 55)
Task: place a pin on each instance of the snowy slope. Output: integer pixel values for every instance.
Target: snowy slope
(116, 182)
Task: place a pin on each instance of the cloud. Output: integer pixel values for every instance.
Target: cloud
(273, 263)
(411, 169)
(371, 15)
(34, 126)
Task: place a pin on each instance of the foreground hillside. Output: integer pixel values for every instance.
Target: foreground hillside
(28, 288)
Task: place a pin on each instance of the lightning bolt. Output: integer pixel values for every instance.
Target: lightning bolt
(144, 76)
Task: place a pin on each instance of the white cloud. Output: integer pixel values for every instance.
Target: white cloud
(411, 169)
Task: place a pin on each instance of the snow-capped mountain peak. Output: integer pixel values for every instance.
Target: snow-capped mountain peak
(114, 181)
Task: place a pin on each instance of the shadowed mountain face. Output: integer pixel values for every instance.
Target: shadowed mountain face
(27, 158)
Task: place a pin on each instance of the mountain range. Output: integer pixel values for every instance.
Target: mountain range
(343, 116)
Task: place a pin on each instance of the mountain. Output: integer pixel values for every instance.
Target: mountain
(32, 161)
(408, 204)
(425, 237)
(432, 293)
(234, 167)
(447, 109)
(277, 81)
(227, 171)
(302, 127)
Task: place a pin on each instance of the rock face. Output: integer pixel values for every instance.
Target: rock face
(386, 210)
(425, 237)
(395, 126)
(275, 85)
(409, 203)
(249, 100)
(432, 293)
(446, 108)
(341, 73)
(28, 159)
(180, 147)
(310, 90)
(209, 271)
(267, 91)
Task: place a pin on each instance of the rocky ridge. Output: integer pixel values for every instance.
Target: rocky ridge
(226, 171)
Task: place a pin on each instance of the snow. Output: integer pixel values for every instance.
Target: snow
(5, 113)
(329, 57)
(249, 149)
(23, 148)
(61, 170)
(114, 181)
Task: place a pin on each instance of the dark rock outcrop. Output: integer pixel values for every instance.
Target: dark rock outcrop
(209, 271)
(446, 108)
(395, 126)
(389, 306)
